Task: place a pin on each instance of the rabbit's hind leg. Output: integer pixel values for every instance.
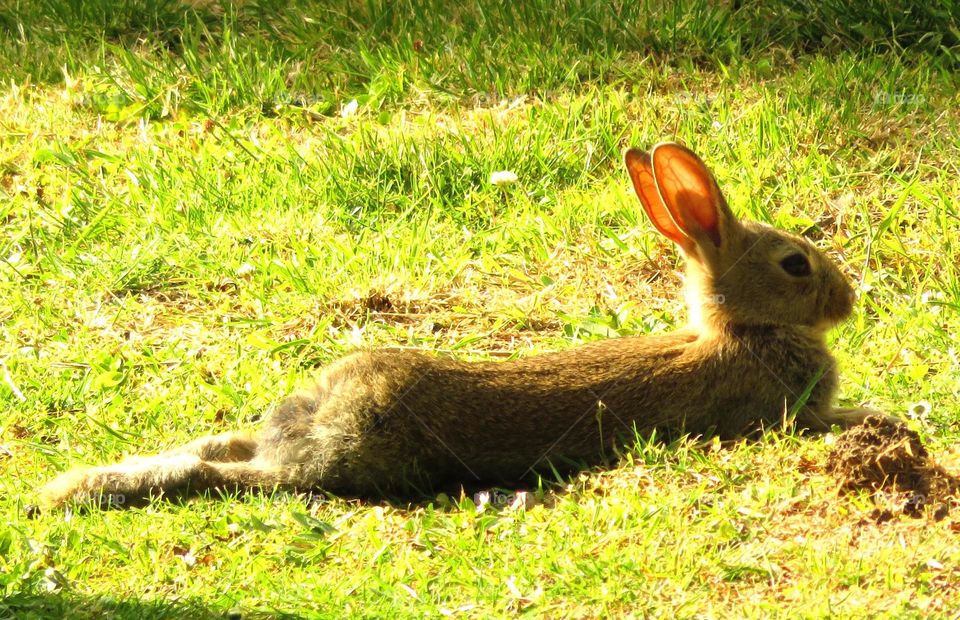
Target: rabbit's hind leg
(185, 468)
(123, 483)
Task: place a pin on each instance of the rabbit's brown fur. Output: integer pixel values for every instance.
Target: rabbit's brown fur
(381, 421)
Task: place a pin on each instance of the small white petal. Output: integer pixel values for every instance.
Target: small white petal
(481, 499)
(349, 109)
(503, 177)
(919, 410)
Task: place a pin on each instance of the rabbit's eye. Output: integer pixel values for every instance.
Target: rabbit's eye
(796, 265)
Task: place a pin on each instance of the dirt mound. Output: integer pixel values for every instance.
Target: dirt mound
(887, 458)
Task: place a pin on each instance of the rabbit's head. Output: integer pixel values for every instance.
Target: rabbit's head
(738, 273)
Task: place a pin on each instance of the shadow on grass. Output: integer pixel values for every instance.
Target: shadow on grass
(68, 606)
(714, 32)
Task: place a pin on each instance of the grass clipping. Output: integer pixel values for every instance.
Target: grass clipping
(886, 458)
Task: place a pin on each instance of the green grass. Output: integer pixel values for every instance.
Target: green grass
(189, 227)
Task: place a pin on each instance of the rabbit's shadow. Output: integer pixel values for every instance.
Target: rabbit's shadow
(70, 605)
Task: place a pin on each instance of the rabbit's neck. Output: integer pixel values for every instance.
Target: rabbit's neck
(704, 304)
(704, 314)
(721, 326)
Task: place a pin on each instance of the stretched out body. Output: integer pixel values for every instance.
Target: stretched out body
(760, 302)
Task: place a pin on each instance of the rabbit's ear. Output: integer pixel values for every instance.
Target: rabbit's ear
(691, 194)
(640, 167)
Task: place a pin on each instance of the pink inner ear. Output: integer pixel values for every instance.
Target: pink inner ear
(698, 198)
(687, 189)
(641, 173)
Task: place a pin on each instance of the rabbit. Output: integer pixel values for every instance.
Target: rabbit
(753, 353)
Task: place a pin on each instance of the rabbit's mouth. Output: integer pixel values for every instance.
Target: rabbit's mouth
(838, 306)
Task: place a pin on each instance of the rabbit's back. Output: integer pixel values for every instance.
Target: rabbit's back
(383, 416)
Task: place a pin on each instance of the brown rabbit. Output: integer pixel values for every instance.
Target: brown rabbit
(760, 301)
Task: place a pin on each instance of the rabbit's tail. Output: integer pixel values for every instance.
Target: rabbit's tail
(227, 461)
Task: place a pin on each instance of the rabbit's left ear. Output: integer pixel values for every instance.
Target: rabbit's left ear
(691, 194)
(640, 167)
